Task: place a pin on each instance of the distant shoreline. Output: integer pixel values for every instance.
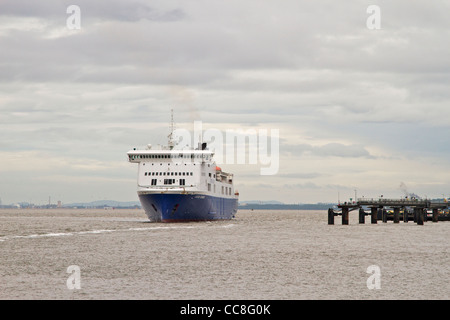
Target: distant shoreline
(118, 205)
(316, 206)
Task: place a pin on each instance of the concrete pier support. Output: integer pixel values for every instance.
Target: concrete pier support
(362, 215)
(373, 214)
(344, 215)
(384, 215)
(405, 215)
(435, 215)
(330, 216)
(420, 214)
(396, 215)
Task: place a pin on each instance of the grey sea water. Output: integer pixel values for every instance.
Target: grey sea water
(258, 255)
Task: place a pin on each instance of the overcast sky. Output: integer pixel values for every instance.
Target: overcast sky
(356, 108)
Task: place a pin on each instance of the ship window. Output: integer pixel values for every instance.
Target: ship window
(210, 174)
(169, 181)
(222, 189)
(209, 186)
(182, 182)
(191, 173)
(154, 182)
(145, 174)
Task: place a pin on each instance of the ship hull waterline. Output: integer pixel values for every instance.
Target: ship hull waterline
(166, 207)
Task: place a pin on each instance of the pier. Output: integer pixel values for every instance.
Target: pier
(417, 210)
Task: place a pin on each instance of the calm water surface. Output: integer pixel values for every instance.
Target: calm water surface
(258, 255)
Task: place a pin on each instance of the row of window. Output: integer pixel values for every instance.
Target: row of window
(182, 182)
(169, 156)
(225, 190)
(168, 174)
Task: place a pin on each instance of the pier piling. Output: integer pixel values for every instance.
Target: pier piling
(330, 216)
(405, 215)
(374, 213)
(396, 215)
(362, 216)
(420, 218)
(384, 215)
(435, 215)
(345, 215)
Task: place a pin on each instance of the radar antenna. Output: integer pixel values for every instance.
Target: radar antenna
(171, 143)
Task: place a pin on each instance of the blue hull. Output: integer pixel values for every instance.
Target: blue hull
(187, 207)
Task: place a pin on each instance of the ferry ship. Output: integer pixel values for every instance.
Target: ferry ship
(183, 185)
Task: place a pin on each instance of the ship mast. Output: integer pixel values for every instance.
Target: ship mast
(170, 136)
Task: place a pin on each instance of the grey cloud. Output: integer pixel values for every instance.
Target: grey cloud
(90, 10)
(309, 68)
(329, 150)
(340, 150)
